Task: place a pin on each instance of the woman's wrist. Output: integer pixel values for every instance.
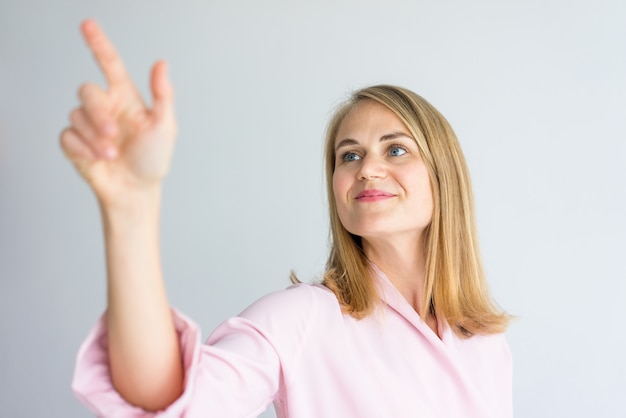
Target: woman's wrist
(132, 204)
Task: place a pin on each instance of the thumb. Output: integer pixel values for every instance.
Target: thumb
(162, 92)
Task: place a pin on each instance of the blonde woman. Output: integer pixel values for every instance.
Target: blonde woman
(402, 326)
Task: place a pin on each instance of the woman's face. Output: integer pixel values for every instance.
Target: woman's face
(381, 185)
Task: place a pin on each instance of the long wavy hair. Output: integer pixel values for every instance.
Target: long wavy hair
(455, 286)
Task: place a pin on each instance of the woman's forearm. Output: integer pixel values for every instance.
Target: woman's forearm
(145, 360)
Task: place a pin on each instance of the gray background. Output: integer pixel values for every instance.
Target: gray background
(535, 90)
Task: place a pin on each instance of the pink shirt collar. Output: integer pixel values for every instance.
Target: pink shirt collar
(394, 299)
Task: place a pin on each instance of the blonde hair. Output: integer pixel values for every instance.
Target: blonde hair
(455, 284)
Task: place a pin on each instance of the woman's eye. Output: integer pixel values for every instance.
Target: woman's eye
(397, 151)
(350, 156)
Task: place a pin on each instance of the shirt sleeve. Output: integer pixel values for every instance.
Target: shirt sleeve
(92, 379)
(235, 374)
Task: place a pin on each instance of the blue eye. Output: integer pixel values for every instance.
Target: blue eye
(397, 151)
(350, 156)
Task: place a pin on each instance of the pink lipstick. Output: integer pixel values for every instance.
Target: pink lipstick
(373, 195)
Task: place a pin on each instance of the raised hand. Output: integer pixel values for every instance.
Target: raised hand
(116, 142)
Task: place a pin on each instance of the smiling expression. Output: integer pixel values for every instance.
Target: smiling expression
(380, 183)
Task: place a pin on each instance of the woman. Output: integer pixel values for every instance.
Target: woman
(402, 325)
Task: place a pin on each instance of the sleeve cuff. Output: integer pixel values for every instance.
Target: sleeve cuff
(92, 380)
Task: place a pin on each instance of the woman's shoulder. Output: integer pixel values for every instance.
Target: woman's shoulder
(297, 302)
(290, 319)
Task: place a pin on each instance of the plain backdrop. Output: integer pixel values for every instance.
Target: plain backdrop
(535, 91)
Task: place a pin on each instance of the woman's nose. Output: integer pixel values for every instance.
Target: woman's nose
(371, 167)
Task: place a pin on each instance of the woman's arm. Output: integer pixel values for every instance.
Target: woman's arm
(123, 149)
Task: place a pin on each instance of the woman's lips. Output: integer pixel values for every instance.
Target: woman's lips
(373, 195)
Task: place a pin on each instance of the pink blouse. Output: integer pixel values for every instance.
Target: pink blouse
(296, 349)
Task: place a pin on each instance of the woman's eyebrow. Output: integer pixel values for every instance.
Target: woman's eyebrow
(394, 135)
(346, 142)
(386, 137)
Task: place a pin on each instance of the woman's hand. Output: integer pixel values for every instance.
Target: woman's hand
(118, 144)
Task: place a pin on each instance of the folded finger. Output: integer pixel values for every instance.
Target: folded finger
(82, 128)
(75, 148)
(81, 125)
(97, 109)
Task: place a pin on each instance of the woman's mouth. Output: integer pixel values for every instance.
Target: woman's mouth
(373, 195)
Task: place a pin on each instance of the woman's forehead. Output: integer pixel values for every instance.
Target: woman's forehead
(368, 116)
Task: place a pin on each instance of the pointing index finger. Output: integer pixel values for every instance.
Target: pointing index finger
(103, 50)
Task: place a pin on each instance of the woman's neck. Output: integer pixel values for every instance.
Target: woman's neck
(404, 263)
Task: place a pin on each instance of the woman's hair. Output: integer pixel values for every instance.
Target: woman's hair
(455, 285)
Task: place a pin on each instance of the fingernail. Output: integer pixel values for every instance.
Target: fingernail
(110, 153)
